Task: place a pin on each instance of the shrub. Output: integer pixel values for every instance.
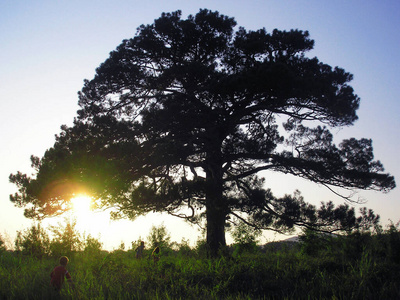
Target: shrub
(245, 238)
(393, 243)
(33, 241)
(92, 246)
(66, 238)
(159, 236)
(183, 248)
(2, 245)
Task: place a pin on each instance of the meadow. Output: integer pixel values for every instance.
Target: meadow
(357, 266)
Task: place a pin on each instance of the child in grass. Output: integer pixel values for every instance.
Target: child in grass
(59, 273)
(156, 254)
(139, 250)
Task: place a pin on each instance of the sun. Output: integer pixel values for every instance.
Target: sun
(82, 205)
(88, 218)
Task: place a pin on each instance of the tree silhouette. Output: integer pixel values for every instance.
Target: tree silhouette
(33, 241)
(159, 237)
(66, 238)
(182, 118)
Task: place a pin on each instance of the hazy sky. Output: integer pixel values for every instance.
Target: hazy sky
(48, 47)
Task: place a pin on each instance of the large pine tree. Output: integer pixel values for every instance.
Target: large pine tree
(183, 116)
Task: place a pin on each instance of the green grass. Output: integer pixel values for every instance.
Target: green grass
(285, 274)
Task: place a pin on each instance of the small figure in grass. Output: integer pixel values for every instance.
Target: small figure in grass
(156, 254)
(59, 273)
(139, 250)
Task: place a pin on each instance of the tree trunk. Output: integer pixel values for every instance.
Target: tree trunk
(215, 227)
(216, 206)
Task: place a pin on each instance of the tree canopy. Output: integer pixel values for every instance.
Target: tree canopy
(184, 116)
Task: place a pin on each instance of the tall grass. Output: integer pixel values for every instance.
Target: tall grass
(329, 273)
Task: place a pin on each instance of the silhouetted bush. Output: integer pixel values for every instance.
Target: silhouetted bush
(33, 241)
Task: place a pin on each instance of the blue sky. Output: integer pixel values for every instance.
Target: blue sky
(49, 47)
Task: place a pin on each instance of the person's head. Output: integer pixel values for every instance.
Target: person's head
(142, 243)
(64, 260)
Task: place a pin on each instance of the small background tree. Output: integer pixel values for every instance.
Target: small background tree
(33, 241)
(93, 246)
(66, 239)
(245, 238)
(159, 236)
(393, 241)
(183, 247)
(2, 244)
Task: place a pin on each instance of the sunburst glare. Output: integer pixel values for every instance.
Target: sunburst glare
(83, 209)
(82, 205)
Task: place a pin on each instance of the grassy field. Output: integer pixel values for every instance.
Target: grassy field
(356, 267)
